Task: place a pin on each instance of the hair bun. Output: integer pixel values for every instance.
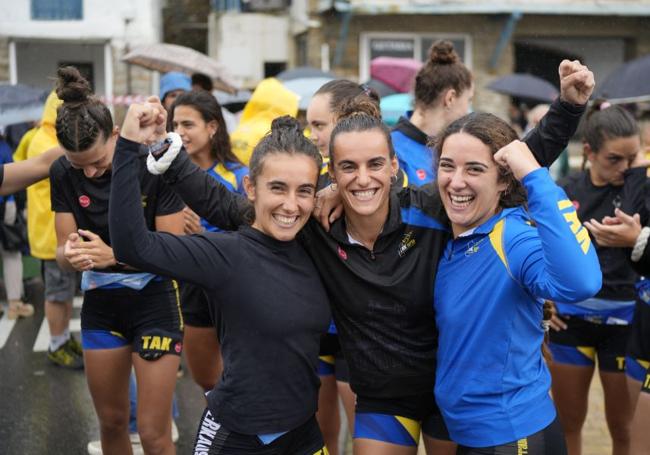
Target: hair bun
(359, 105)
(285, 123)
(443, 53)
(71, 86)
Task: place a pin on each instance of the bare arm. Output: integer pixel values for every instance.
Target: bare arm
(18, 176)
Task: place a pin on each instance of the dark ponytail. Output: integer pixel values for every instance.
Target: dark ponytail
(360, 114)
(442, 71)
(82, 118)
(604, 122)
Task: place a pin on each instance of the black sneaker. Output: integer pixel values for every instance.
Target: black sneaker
(75, 346)
(65, 357)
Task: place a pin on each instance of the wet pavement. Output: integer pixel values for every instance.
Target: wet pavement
(45, 409)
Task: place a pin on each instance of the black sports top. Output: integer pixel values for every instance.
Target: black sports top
(271, 304)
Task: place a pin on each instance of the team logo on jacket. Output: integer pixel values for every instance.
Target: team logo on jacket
(421, 173)
(84, 201)
(342, 254)
(406, 244)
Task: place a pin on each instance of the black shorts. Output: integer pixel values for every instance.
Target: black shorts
(549, 441)
(331, 360)
(399, 420)
(638, 345)
(645, 385)
(214, 439)
(583, 341)
(196, 306)
(149, 320)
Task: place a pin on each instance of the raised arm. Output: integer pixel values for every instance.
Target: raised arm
(200, 259)
(554, 131)
(555, 261)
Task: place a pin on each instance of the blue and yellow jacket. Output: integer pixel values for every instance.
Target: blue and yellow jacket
(492, 383)
(231, 175)
(415, 158)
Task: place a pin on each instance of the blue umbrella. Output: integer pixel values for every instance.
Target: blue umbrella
(20, 103)
(522, 85)
(629, 80)
(394, 106)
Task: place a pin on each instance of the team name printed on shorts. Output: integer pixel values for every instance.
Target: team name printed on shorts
(206, 436)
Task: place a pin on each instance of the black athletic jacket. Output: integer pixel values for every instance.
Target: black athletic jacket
(382, 300)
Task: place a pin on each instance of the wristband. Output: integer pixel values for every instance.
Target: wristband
(162, 154)
(641, 242)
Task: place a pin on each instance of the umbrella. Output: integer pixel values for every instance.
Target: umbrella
(305, 88)
(20, 103)
(397, 73)
(394, 106)
(630, 80)
(234, 102)
(303, 72)
(164, 58)
(381, 88)
(523, 85)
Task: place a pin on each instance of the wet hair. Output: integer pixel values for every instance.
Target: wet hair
(442, 71)
(82, 118)
(495, 133)
(208, 107)
(286, 136)
(604, 122)
(358, 115)
(341, 91)
(203, 81)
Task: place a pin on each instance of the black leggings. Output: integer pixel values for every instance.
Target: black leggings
(549, 441)
(213, 439)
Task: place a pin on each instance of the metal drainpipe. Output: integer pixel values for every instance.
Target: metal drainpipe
(506, 34)
(343, 37)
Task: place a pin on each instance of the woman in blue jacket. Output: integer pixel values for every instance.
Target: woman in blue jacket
(492, 384)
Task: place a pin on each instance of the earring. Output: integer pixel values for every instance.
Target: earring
(393, 179)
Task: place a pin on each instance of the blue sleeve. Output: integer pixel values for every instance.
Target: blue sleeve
(240, 174)
(205, 260)
(554, 260)
(205, 195)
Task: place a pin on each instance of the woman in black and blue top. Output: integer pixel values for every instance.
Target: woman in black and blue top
(625, 230)
(128, 317)
(443, 93)
(508, 254)
(196, 116)
(271, 303)
(598, 328)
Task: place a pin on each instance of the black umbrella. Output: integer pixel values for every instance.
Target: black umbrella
(630, 80)
(381, 88)
(522, 85)
(303, 72)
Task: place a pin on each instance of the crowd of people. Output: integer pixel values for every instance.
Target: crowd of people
(434, 278)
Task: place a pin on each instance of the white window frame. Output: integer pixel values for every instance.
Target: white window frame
(364, 46)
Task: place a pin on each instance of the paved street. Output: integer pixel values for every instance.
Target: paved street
(47, 410)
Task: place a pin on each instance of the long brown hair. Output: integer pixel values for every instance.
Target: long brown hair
(495, 133)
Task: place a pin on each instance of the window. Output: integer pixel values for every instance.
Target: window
(405, 45)
(57, 10)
